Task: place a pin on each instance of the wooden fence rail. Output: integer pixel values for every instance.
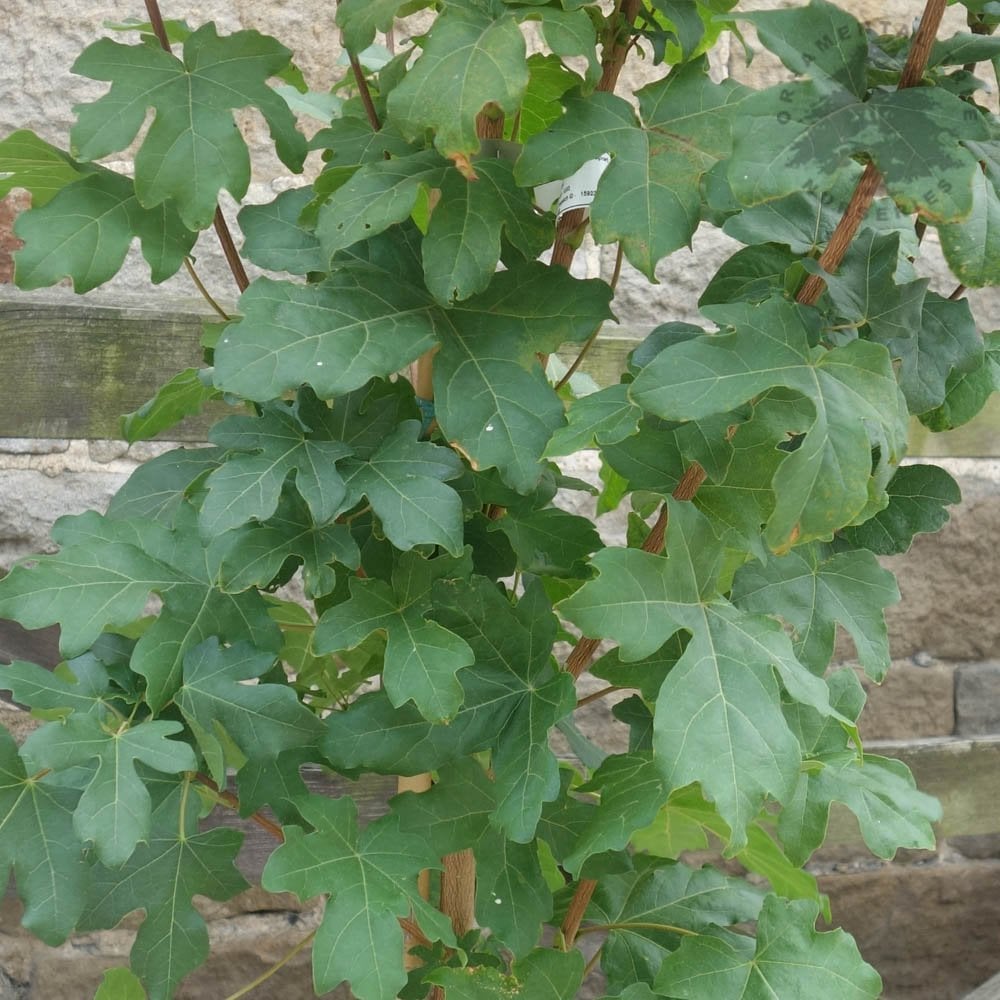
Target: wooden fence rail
(76, 368)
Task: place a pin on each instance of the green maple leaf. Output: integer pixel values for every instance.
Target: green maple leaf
(813, 592)
(78, 686)
(274, 239)
(103, 576)
(404, 483)
(740, 502)
(37, 838)
(918, 496)
(348, 144)
(512, 697)
(84, 589)
(254, 554)
(568, 33)
(380, 194)
(422, 658)
(948, 347)
(161, 878)
(263, 720)
(605, 417)
(360, 19)
(966, 393)
(689, 823)
(114, 810)
(548, 80)
(972, 247)
(648, 198)
(930, 335)
(275, 783)
(525, 769)
(819, 40)
(85, 230)
(463, 242)
(120, 984)
(184, 395)
(824, 483)
(669, 894)
(751, 275)
(26, 161)
(369, 318)
(550, 542)
(156, 489)
(371, 879)
(788, 958)
(192, 149)
(264, 451)
(490, 393)
(631, 790)
(544, 974)
(373, 315)
(365, 417)
(880, 791)
(512, 898)
(891, 812)
(865, 291)
(656, 457)
(721, 701)
(797, 137)
(805, 221)
(645, 674)
(470, 59)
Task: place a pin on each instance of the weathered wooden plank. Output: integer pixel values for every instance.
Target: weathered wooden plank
(963, 773)
(73, 369)
(80, 366)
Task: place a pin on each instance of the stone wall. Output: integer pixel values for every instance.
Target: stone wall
(928, 921)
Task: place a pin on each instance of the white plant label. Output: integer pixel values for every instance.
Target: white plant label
(579, 189)
(575, 192)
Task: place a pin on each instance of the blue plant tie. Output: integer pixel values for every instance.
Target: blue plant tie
(426, 414)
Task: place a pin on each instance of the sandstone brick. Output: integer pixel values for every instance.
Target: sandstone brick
(977, 698)
(977, 847)
(911, 702)
(930, 930)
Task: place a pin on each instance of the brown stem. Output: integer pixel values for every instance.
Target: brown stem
(577, 908)
(957, 293)
(864, 193)
(413, 936)
(230, 251)
(458, 890)
(156, 21)
(364, 93)
(234, 803)
(219, 221)
(596, 695)
(923, 42)
(489, 122)
(857, 209)
(205, 293)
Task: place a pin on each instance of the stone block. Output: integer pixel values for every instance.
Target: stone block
(977, 698)
(912, 702)
(32, 499)
(950, 606)
(930, 930)
(977, 847)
